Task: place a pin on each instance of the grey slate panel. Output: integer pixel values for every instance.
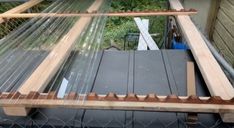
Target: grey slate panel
(177, 61)
(16, 65)
(113, 73)
(112, 77)
(141, 72)
(175, 65)
(150, 77)
(150, 74)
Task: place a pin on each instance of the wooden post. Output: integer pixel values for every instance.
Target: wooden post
(215, 79)
(191, 83)
(192, 118)
(51, 64)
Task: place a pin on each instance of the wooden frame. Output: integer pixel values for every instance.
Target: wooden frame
(117, 14)
(116, 105)
(215, 4)
(21, 8)
(50, 65)
(112, 101)
(215, 79)
(192, 118)
(191, 83)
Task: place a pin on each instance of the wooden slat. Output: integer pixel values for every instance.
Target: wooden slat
(21, 8)
(226, 21)
(225, 35)
(191, 87)
(50, 65)
(212, 15)
(120, 14)
(191, 91)
(117, 105)
(145, 34)
(215, 79)
(228, 8)
(223, 48)
(224, 31)
(142, 45)
(231, 2)
(47, 69)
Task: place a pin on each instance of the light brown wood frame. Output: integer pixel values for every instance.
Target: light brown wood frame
(215, 79)
(50, 65)
(112, 14)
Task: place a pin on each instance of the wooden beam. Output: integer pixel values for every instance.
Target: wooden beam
(192, 118)
(145, 34)
(118, 14)
(47, 69)
(117, 105)
(21, 8)
(50, 65)
(191, 84)
(215, 79)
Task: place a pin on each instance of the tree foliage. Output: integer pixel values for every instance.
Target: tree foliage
(118, 27)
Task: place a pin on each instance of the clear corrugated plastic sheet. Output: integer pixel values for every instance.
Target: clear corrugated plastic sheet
(24, 49)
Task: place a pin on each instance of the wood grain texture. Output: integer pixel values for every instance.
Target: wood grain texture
(192, 118)
(50, 65)
(21, 8)
(213, 11)
(223, 48)
(16, 111)
(215, 79)
(117, 105)
(225, 35)
(191, 84)
(228, 8)
(226, 21)
(120, 14)
(231, 2)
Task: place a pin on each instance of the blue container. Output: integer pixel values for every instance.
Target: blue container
(179, 45)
